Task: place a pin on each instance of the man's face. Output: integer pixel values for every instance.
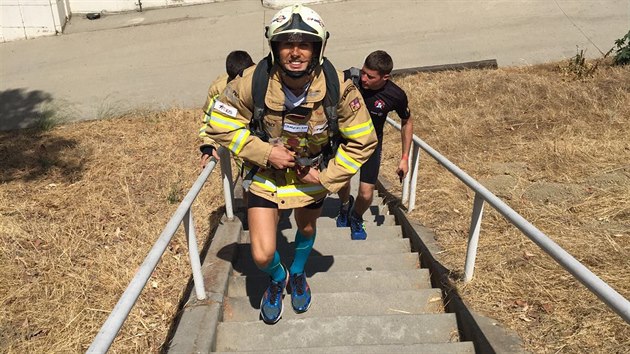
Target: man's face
(295, 56)
(371, 79)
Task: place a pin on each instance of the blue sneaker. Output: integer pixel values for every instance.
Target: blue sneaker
(271, 302)
(342, 218)
(357, 228)
(300, 292)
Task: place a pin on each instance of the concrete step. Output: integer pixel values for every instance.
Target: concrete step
(337, 331)
(331, 207)
(372, 281)
(341, 246)
(387, 220)
(424, 348)
(337, 263)
(335, 233)
(343, 304)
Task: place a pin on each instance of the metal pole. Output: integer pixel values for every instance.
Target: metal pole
(414, 177)
(193, 254)
(473, 237)
(405, 186)
(117, 317)
(605, 292)
(228, 186)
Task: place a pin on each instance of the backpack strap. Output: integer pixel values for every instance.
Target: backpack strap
(331, 101)
(353, 74)
(259, 90)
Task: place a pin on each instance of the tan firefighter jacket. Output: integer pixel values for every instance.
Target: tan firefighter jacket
(213, 92)
(303, 130)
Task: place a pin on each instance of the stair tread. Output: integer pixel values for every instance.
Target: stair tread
(424, 348)
(417, 301)
(337, 331)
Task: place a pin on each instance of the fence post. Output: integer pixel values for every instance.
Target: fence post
(414, 176)
(473, 237)
(228, 186)
(193, 254)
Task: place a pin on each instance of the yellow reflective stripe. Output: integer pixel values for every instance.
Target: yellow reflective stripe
(238, 141)
(211, 103)
(261, 181)
(206, 118)
(300, 190)
(223, 121)
(202, 132)
(358, 130)
(346, 161)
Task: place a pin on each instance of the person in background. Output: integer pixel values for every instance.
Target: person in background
(381, 96)
(235, 63)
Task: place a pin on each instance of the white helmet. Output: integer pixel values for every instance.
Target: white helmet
(298, 23)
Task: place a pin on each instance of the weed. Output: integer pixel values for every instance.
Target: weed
(578, 66)
(175, 193)
(54, 114)
(622, 55)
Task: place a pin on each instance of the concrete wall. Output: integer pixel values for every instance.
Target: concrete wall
(85, 6)
(24, 19)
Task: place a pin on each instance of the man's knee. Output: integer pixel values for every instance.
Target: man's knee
(366, 192)
(262, 259)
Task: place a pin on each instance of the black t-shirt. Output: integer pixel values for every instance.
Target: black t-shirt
(384, 100)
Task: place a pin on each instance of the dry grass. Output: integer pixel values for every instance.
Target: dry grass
(82, 204)
(557, 151)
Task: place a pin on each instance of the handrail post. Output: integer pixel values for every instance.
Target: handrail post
(473, 237)
(193, 254)
(414, 177)
(228, 186)
(405, 186)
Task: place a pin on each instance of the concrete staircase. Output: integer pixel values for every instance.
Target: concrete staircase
(368, 296)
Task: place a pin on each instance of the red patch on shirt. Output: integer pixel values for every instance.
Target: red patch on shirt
(355, 104)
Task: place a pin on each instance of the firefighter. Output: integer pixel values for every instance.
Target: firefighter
(288, 159)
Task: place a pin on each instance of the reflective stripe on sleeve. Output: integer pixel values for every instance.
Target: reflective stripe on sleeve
(222, 121)
(238, 141)
(346, 161)
(358, 130)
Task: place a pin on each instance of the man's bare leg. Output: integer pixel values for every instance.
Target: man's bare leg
(364, 199)
(263, 224)
(306, 220)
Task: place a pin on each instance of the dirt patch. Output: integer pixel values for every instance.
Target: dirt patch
(555, 193)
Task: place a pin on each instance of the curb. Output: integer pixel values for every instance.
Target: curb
(488, 335)
(278, 4)
(197, 324)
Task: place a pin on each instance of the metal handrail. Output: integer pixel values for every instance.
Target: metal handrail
(605, 292)
(183, 214)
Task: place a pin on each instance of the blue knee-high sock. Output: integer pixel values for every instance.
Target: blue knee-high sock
(275, 269)
(303, 247)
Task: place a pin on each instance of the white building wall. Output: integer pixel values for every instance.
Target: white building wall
(24, 19)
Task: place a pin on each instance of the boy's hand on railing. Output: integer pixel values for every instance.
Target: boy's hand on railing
(402, 169)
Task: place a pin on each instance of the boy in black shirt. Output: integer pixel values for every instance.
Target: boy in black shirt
(381, 96)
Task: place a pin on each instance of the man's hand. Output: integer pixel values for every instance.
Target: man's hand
(205, 158)
(402, 169)
(308, 175)
(280, 157)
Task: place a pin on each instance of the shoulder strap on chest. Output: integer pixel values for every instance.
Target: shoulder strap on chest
(259, 89)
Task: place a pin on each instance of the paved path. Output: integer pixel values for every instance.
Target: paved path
(167, 57)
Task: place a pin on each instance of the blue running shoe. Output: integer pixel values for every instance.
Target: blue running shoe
(271, 302)
(300, 292)
(357, 228)
(342, 218)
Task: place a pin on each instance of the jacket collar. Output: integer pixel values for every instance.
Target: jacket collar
(274, 99)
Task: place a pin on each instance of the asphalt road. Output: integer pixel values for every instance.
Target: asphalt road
(166, 58)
